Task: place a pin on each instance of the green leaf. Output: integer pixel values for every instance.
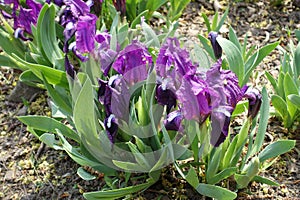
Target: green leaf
(131, 10)
(7, 62)
(281, 107)
(297, 33)
(253, 168)
(222, 20)
(207, 46)
(139, 157)
(213, 163)
(82, 173)
(192, 178)
(222, 175)
(128, 166)
(153, 5)
(256, 58)
(207, 22)
(46, 36)
(234, 39)
(48, 124)
(243, 134)
(117, 193)
(215, 21)
(11, 45)
(61, 101)
(280, 85)
(215, 192)
(81, 159)
(272, 81)
(265, 180)
(290, 88)
(84, 114)
(275, 149)
(53, 76)
(297, 59)
(234, 57)
(122, 33)
(137, 20)
(263, 122)
(229, 153)
(92, 69)
(241, 180)
(31, 79)
(199, 56)
(49, 140)
(151, 37)
(240, 108)
(249, 53)
(177, 9)
(295, 99)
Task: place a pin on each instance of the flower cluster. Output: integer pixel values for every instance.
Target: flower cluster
(22, 16)
(187, 93)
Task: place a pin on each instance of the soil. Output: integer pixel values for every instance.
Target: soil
(30, 170)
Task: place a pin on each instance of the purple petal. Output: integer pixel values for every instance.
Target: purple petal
(188, 100)
(120, 6)
(220, 124)
(166, 97)
(103, 53)
(111, 127)
(69, 67)
(78, 7)
(85, 33)
(172, 56)
(255, 99)
(225, 82)
(35, 7)
(133, 56)
(26, 19)
(106, 91)
(212, 36)
(173, 121)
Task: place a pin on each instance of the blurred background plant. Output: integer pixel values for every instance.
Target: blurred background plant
(239, 59)
(286, 100)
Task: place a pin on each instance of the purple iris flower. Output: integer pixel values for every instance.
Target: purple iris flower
(77, 21)
(120, 5)
(68, 21)
(133, 61)
(172, 59)
(24, 18)
(197, 98)
(255, 100)
(103, 53)
(111, 127)
(173, 121)
(56, 2)
(224, 81)
(220, 124)
(166, 96)
(74, 49)
(78, 7)
(85, 33)
(69, 67)
(105, 92)
(35, 7)
(212, 36)
(214, 94)
(15, 7)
